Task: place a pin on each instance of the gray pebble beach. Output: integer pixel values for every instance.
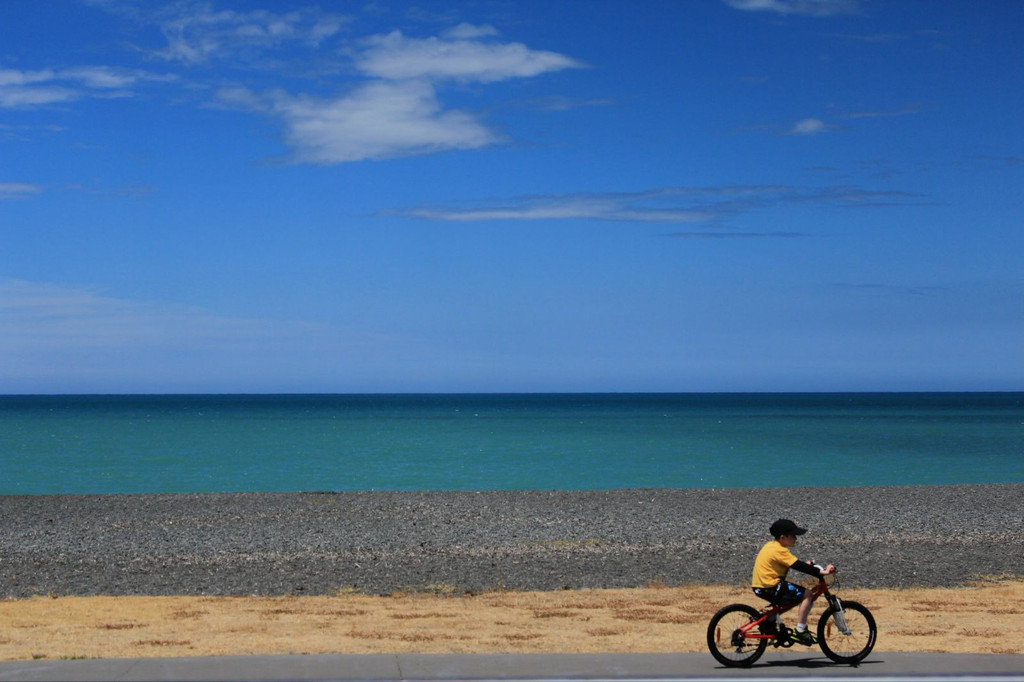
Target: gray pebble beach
(456, 542)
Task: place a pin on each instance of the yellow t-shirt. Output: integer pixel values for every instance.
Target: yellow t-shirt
(771, 564)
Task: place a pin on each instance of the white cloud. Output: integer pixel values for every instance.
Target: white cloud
(736, 235)
(813, 8)
(466, 31)
(376, 121)
(660, 205)
(21, 97)
(11, 77)
(809, 126)
(399, 112)
(664, 205)
(18, 190)
(905, 111)
(395, 56)
(393, 108)
(197, 33)
(31, 88)
(566, 208)
(39, 314)
(59, 338)
(102, 77)
(24, 89)
(41, 320)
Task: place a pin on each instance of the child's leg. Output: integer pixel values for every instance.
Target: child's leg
(805, 609)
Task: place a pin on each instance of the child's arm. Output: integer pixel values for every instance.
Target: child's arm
(812, 569)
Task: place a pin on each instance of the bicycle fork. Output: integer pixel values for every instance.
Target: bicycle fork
(838, 615)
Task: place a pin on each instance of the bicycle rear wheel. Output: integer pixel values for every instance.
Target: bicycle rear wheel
(726, 641)
(852, 647)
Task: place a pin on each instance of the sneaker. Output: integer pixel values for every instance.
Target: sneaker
(803, 637)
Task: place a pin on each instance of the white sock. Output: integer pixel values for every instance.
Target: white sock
(800, 627)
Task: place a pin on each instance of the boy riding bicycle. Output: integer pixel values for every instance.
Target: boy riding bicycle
(769, 579)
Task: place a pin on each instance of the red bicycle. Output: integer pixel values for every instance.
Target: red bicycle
(739, 634)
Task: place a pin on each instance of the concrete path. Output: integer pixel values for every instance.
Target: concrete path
(805, 666)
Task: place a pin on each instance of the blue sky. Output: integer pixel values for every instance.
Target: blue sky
(491, 196)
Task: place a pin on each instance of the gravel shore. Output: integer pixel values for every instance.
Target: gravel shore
(380, 542)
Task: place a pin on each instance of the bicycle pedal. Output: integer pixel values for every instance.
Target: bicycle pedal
(783, 639)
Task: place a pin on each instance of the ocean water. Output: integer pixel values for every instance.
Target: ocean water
(286, 443)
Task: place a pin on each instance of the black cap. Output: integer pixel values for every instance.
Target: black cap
(786, 527)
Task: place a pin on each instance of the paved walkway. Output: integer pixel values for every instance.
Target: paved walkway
(804, 665)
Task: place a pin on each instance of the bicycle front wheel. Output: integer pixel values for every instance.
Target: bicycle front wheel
(849, 644)
(727, 642)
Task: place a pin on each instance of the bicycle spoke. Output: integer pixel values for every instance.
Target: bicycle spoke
(726, 639)
(854, 644)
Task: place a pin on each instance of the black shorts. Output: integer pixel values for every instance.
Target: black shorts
(782, 594)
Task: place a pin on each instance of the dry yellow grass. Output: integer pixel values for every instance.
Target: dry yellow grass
(984, 618)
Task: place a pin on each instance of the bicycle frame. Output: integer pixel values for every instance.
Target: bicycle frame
(752, 629)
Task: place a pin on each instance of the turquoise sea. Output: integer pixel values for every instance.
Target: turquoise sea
(284, 443)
